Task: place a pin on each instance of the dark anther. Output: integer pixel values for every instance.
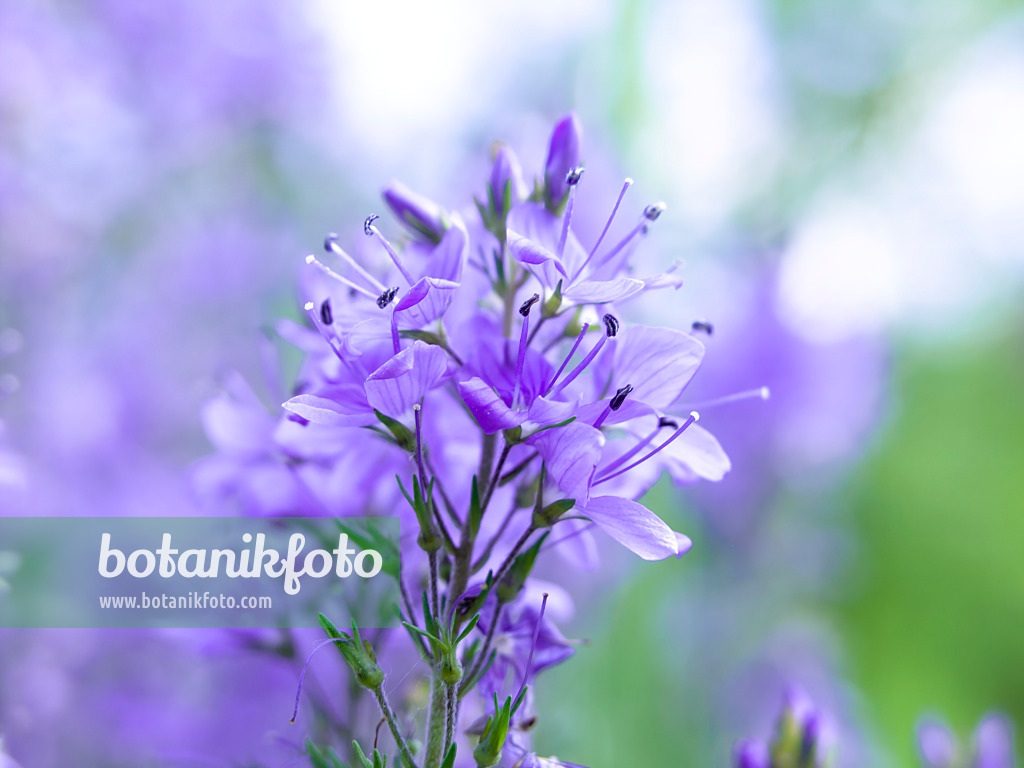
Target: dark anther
(620, 397)
(611, 325)
(326, 315)
(524, 310)
(369, 223)
(329, 241)
(703, 325)
(387, 297)
(653, 211)
(572, 178)
(665, 421)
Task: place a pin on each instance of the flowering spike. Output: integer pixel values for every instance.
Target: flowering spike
(703, 326)
(311, 259)
(371, 231)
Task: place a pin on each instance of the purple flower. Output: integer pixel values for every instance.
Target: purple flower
(992, 745)
(563, 157)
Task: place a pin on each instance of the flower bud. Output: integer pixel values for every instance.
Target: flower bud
(416, 212)
(506, 177)
(563, 157)
(357, 652)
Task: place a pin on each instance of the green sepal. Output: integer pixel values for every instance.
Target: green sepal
(357, 653)
(403, 436)
(514, 579)
(476, 512)
(323, 759)
(549, 515)
(554, 302)
(492, 740)
(449, 760)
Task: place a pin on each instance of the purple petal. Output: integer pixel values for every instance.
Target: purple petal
(603, 291)
(563, 156)
(936, 743)
(506, 171)
(993, 743)
(696, 455)
(426, 301)
(416, 211)
(751, 753)
(488, 408)
(404, 379)
(658, 362)
(634, 526)
(333, 412)
(571, 454)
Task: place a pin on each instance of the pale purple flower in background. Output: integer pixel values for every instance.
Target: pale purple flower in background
(992, 745)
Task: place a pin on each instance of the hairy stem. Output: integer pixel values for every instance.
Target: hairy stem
(404, 755)
(436, 723)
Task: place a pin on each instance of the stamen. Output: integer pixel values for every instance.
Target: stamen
(326, 315)
(310, 307)
(662, 423)
(396, 339)
(622, 193)
(305, 667)
(611, 328)
(620, 397)
(533, 647)
(568, 357)
(704, 326)
(614, 405)
(524, 336)
(387, 297)
(371, 231)
(761, 393)
(651, 213)
(694, 416)
(311, 259)
(572, 179)
(331, 245)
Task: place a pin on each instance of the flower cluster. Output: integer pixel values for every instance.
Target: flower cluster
(483, 359)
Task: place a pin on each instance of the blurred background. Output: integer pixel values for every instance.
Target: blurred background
(845, 186)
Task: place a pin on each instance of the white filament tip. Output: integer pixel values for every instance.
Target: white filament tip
(309, 306)
(310, 259)
(694, 415)
(765, 393)
(628, 182)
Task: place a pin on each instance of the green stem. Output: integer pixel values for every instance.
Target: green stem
(436, 724)
(404, 755)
